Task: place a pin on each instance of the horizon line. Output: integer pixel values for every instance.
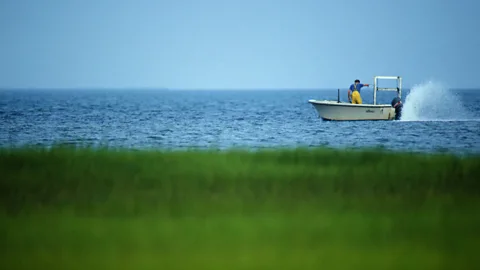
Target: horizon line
(203, 88)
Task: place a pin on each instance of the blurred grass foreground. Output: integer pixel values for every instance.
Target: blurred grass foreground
(92, 209)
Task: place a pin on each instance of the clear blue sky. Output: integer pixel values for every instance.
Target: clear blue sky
(237, 44)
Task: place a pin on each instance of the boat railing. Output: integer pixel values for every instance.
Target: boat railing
(398, 89)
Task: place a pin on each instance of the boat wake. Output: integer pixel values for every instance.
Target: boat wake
(432, 101)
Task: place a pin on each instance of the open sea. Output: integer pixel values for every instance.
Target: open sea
(434, 119)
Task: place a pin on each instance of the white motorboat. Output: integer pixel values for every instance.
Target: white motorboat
(345, 111)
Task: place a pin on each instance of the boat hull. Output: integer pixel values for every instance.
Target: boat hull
(341, 111)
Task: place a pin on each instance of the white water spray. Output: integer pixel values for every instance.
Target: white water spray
(432, 101)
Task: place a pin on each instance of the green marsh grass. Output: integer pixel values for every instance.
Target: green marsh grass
(67, 208)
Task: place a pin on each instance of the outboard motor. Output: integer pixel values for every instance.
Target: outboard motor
(398, 105)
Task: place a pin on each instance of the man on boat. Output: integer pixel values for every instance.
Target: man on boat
(354, 92)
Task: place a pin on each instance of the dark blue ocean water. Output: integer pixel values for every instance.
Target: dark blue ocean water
(434, 120)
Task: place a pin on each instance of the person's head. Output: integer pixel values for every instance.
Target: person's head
(357, 81)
